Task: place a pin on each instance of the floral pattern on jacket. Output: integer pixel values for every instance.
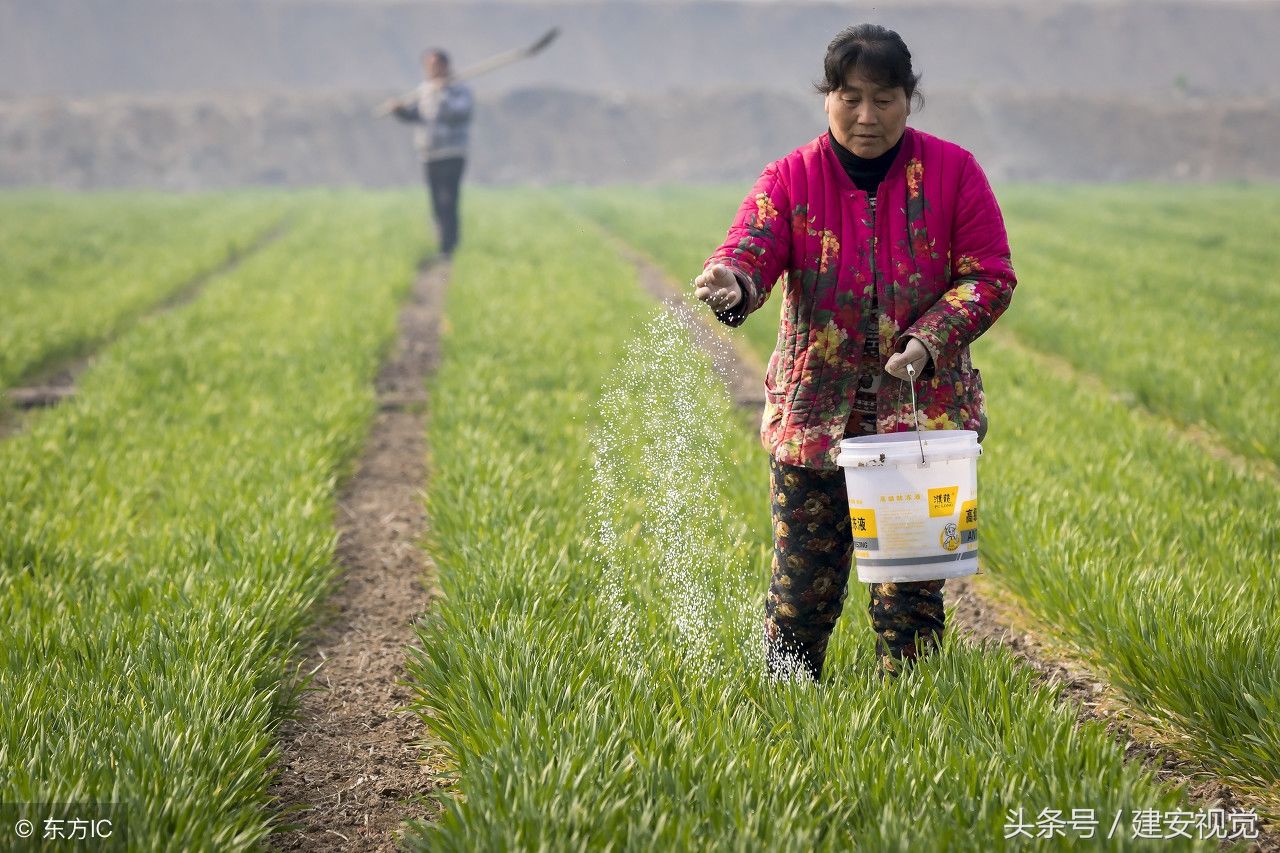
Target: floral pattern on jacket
(933, 253)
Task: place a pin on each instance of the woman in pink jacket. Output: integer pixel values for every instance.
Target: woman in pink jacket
(890, 250)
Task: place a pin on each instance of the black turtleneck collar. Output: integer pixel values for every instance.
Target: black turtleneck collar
(866, 173)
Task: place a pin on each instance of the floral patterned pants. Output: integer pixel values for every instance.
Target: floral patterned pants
(812, 559)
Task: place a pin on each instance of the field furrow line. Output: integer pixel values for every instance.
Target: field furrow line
(350, 765)
(50, 383)
(740, 369)
(983, 617)
(1202, 437)
(979, 615)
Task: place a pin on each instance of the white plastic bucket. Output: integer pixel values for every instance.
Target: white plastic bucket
(913, 520)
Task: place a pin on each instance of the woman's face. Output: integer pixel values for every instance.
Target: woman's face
(865, 117)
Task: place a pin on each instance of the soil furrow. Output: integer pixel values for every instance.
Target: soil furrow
(351, 769)
(53, 381)
(1203, 437)
(738, 366)
(979, 614)
(984, 617)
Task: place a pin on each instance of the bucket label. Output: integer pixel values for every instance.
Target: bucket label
(863, 523)
(942, 502)
(969, 515)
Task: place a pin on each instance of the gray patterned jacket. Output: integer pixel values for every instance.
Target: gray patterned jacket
(444, 116)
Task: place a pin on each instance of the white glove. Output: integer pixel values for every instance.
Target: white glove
(915, 354)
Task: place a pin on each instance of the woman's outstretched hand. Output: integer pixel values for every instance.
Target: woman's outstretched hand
(915, 353)
(718, 287)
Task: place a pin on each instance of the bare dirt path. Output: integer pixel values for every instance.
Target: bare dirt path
(736, 365)
(49, 384)
(981, 614)
(351, 767)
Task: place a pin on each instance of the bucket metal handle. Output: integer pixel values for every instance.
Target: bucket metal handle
(915, 410)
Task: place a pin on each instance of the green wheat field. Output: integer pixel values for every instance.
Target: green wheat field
(599, 522)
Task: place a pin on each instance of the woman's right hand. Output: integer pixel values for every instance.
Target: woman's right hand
(718, 287)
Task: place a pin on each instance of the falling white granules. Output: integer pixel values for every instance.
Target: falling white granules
(659, 458)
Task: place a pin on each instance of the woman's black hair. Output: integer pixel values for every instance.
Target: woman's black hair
(877, 52)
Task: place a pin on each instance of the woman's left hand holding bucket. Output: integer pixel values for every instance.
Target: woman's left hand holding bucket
(915, 353)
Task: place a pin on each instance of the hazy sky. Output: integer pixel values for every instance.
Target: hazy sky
(1091, 49)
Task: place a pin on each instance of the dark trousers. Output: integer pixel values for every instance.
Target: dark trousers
(812, 559)
(444, 182)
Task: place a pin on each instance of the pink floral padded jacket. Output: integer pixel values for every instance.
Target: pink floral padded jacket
(933, 248)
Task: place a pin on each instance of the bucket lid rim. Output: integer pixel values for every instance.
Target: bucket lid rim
(945, 444)
(909, 436)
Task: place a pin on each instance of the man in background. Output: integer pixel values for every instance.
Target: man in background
(443, 112)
